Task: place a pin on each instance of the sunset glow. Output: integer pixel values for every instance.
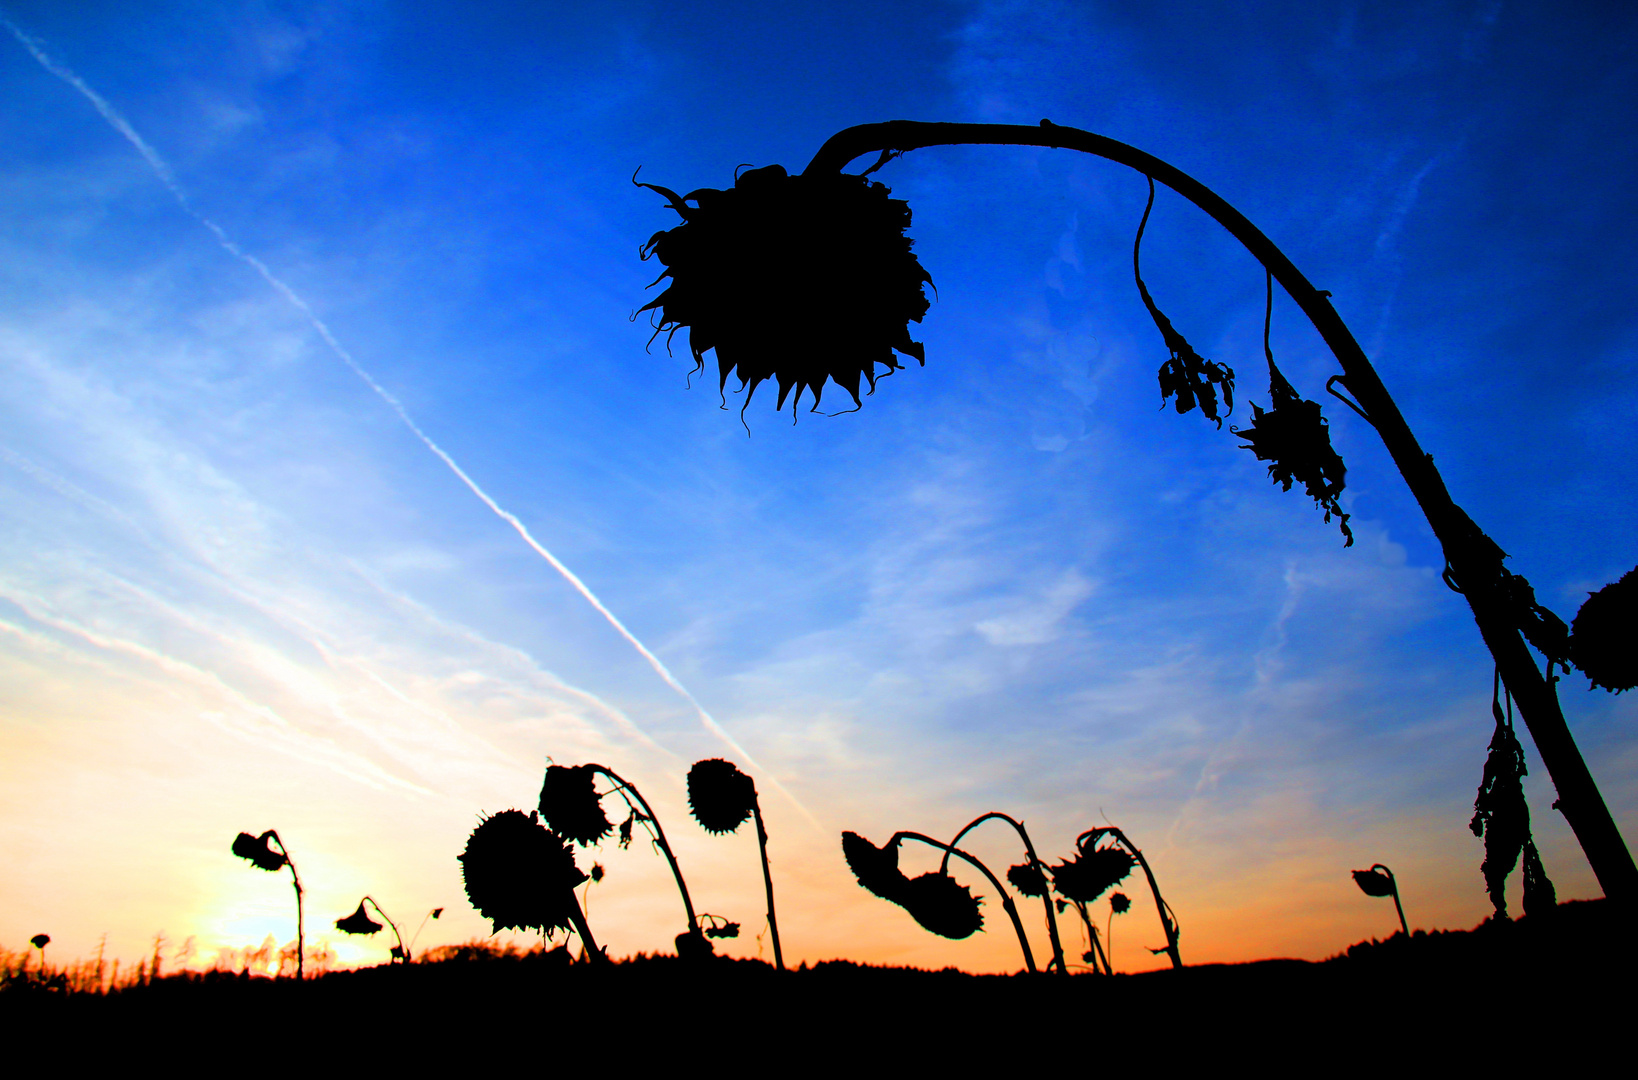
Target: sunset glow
(339, 493)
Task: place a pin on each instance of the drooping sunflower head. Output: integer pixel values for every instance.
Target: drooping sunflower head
(1092, 872)
(799, 279)
(1373, 882)
(571, 806)
(1028, 878)
(519, 874)
(256, 849)
(876, 868)
(1602, 635)
(943, 905)
(359, 922)
(720, 796)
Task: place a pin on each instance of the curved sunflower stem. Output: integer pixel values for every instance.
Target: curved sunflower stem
(1006, 901)
(1403, 925)
(433, 914)
(1168, 919)
(767, 883)
(403, 954)
(1473, 560)
(301, 936)
(652, 823)
(1029, 849)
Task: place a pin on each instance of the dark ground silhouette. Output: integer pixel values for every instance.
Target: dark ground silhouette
(1548, 983)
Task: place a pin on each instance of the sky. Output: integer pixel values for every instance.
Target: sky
(340, 490)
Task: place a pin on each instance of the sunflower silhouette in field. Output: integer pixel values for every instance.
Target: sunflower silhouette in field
(722, 799)
(521, 876)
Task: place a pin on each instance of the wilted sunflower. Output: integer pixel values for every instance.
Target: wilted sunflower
(359, 922)
(943, 905)
(257, 851)
(795, 278)
(519, 874)
(1374, 882)
(571, 806)
(720, 796)
(1604, 632)
(876, 868)
(1028, 879)
(1092, 872)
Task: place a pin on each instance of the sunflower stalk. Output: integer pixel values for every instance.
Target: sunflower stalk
(646, 817)
(255, 849)
(1035, 864)
(1168, 919)
(1097, 954)
(1006, 901)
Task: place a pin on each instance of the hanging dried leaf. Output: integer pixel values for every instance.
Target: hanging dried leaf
(1295, 439)
(1500, 814)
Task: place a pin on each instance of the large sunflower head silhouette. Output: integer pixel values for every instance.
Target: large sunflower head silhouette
(258, 851)
(720, 796)
(800, 279)
(943, 905)
(519, 874)
(571, 806)
(1092, 872)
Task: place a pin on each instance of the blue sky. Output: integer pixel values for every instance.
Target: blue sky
(238, 592)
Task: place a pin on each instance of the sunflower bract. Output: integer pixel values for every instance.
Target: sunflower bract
(571, 806)
(519, 874)
(1092, 872)
(799, 279)
(720, 796)
(943, 905)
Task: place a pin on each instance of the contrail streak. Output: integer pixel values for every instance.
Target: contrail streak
(166, 177)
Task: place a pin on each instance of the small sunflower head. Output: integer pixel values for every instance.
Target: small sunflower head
(1028, 878)
(720, 796)
(801, 279)
(571, 806)
(359, 922)
(876, 868)
(256, 849)
(943, 905)
(1602, 635)
(1092, 872)
(519, 874)
(40, 941)
(1374, 882)
(1119, 904)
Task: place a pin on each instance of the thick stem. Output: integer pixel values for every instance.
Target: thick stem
(582, 928)
(1029, 849)
(1472, 559)
(301, 937)
(1394, 884)
(767, 882)
(628, 792)
(1006, 901)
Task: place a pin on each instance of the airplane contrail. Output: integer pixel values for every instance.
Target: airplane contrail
(166, 177)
